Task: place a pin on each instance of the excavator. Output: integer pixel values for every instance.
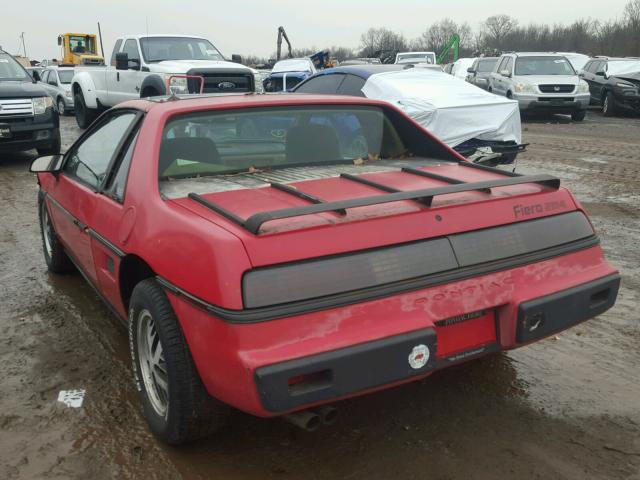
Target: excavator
(282, 34)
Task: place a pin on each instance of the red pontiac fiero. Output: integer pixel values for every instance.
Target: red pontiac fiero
(279, 253)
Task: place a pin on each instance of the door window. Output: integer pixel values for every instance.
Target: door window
(352, 85)
(116, 49)
(119, 182)
(509, 64)
(323, 84)
(44, 77)
(131, 49)
(89, 161)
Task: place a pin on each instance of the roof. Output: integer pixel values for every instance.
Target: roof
(154, 35)
(365, 70)
(185, 103)
(536, 54)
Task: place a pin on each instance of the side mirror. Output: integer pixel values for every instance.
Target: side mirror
(600, 73)
(505, 73)
(236, 58)
(59, 40)
(133, 64)
(470, 70)
(47, 164)
(36, 76)
(53, 82)
(122, 61)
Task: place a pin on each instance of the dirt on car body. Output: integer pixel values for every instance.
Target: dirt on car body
(563, 408)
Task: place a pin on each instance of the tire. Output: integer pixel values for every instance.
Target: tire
(84, 115)
(609, 105)
(53, 148)
(62, 109)
(578, 115)
(149, 92)
(54, 255)
(175, 403)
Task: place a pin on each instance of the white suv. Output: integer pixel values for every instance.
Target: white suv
(541, 82)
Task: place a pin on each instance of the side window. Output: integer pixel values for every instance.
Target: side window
(52, 79)
(323, 84)
(502, 64)
(117, 187)
(44, 76)
(116, 49)
(351, 85)
(89, 161)
(131, 49)
(509, 64)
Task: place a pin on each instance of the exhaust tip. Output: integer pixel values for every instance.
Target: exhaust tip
(306, 420)
(328, 414)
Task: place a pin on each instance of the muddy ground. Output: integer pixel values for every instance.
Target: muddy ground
(565, 408)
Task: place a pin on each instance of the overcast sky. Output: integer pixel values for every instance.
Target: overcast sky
(250, 26)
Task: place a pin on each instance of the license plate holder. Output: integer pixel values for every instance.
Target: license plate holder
(466, 332)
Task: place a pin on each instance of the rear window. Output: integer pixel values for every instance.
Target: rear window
(261, 139)
(487, 65)
(543, 66)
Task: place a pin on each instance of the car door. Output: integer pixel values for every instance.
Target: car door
(599, 81)
(127, 82)
(44, 80)
(74, 197)
(113, 218)
(497, 79)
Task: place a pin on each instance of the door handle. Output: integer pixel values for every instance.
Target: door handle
(117, 76)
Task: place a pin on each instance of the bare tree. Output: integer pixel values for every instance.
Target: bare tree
(377, 40)
(632, 17)
(498, 27)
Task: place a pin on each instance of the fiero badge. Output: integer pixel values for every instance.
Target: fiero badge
(419, 356)
(520, 211)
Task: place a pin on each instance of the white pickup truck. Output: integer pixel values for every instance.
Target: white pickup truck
(150, 65)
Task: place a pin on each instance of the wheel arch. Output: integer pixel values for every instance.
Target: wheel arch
(152, 83)
(83, 83)
(133, 270)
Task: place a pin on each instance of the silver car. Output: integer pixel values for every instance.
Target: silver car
(57, 83)
(545, 82)
(478, 73)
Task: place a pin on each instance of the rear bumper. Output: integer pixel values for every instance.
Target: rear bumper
(359, 348)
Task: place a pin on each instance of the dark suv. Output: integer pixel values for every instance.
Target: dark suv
(28, 117)
(614, 83)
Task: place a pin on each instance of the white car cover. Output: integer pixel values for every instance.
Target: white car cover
(453, 110)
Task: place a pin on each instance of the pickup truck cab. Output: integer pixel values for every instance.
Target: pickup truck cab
(151, 65)
(28, 116)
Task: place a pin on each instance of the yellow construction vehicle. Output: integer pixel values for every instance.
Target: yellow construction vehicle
(80, 49)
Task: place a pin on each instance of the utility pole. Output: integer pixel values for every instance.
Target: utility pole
(24, 46)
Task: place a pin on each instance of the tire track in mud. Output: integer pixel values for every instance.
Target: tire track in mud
(561, 408)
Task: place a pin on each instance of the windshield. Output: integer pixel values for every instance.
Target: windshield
(487, 65)
(65, 76)
(543, 66)
(416, 57)
(255, 140)
(157, 49)
(10, 69)
(82, 44)
(618, 67)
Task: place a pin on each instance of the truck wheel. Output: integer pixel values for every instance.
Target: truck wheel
(54, 254)
(609, 105)
(61, 108)
(53, 148)
(175, 403)
(84, 115)
(578, 115)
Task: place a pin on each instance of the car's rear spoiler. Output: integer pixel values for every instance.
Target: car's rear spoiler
(424, 196)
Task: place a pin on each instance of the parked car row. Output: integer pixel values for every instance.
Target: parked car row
(560, 82)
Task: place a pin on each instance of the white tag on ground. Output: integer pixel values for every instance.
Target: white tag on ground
(71, 398)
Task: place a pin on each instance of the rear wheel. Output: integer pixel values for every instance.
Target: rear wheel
(84, 115)
(175, 403)
(578, 115)
(54, 254)
(609, 105)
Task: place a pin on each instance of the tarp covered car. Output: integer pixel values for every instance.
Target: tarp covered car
(478, 124)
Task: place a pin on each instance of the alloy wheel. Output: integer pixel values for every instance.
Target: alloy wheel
(153, 368)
